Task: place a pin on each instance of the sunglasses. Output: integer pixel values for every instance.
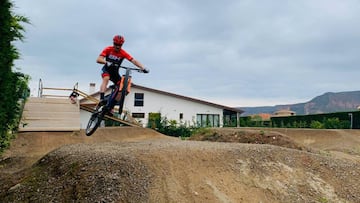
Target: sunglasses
(117, 45)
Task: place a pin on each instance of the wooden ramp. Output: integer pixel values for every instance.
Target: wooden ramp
(50, 114)
(129, 123)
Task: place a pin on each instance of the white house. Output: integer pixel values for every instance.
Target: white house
(143, 101)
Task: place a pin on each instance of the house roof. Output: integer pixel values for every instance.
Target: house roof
(182, 97)
(263, 116)
(284, 111)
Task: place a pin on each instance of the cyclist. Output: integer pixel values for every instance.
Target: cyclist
(112, 57)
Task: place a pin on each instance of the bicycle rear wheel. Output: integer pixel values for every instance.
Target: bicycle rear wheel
(95, 120)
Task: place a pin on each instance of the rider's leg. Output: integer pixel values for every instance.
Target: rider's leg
(115, 78)
(111, 101)
(118, 97)
(105, 81)
(121, 85)
(115, 95)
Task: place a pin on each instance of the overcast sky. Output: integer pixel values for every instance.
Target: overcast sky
(230, 52)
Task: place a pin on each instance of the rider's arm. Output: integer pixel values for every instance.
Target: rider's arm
(137, 63)
(102, 56)
(101, 60)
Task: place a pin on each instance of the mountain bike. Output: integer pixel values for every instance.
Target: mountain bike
(104, 107)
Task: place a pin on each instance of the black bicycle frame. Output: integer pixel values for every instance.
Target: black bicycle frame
(116, 89)
(100, 112)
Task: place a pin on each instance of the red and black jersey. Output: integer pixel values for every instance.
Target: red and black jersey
(111, 55)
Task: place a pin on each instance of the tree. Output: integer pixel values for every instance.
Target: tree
(13, 85)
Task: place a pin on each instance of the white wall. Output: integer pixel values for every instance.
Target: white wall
(84, 118)
(169, 107)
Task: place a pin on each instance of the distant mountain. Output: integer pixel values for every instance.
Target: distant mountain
(327, 103)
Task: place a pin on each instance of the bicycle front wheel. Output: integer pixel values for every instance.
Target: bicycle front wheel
(93, 124)
(94, 121)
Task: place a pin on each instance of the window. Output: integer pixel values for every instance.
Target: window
(138, 115)
(139, 99)
(208, 120)
(181, 116)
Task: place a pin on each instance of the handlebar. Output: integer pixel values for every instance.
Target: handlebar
(114, 63)
(126, 68)
(134, 69)
(130, 68)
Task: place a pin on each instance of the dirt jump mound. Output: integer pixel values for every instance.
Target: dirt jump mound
(167, 170)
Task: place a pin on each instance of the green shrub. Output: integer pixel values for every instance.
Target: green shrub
(316, 125)
(335, 123)
(171, 127)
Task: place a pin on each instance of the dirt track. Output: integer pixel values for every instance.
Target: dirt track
(140, 165)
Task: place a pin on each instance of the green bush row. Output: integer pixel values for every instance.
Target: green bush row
(338, 120)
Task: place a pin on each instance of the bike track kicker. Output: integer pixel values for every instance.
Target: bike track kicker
(91, 110)
(37, 144)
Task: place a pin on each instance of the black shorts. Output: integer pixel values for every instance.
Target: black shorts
(111, 71)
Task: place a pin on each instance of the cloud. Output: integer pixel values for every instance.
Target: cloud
(266, 52)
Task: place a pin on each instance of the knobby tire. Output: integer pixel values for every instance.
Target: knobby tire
(94, 121)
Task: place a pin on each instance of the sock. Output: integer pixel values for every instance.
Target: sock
(102, 95)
